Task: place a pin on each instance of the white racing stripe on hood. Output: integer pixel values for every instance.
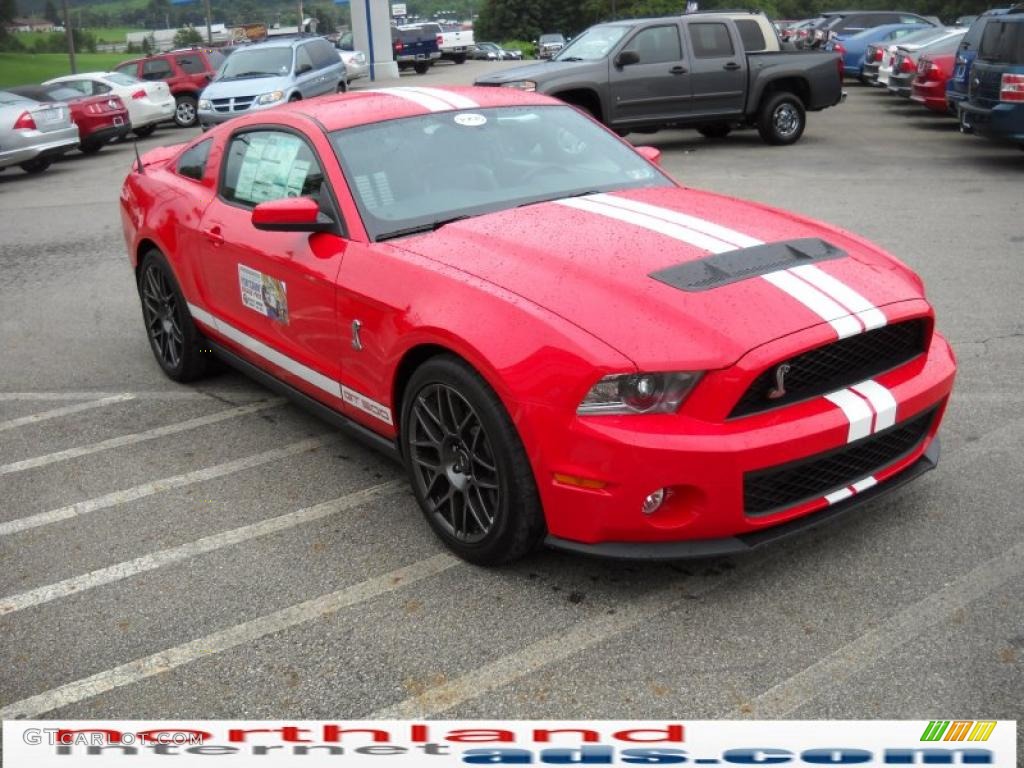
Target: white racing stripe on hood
(822, 305)
(457, 100)
(662, 227)
(427, 101)
(738, 239)
(869, 314)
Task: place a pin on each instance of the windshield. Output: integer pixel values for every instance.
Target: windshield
(257, 62)
(418, 172)
(592, 45)
(118, 78)
(551, 39)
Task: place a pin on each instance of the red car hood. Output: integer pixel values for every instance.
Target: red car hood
(585, 263)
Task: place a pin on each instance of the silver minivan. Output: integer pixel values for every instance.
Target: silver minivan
(271, 73)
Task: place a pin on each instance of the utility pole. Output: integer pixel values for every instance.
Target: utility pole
(301, 17)
(209, 27)
(71, 38)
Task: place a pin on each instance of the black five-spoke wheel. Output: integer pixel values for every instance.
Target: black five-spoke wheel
(455, 469)
(172, 334)
(467, 465)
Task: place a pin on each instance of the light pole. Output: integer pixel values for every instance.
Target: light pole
(209, 27)
(71, 38)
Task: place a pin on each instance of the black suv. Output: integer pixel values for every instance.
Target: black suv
(995, 104)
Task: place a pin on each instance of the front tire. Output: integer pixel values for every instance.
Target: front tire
(38, 165)
(467, 465)
(90, 147)
(421, 69)
(173, 337)
(185, 114)
(782, 119)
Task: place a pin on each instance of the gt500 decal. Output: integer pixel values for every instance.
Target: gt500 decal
(365, 404)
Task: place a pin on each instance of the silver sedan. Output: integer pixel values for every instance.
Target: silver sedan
(32, 133)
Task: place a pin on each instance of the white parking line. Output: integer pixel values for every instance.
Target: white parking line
(778, 702)
(153, 394)
(67, 410)
(226, 639)
(157, 486)
(557, 647)
(164, 557)
(138, 437)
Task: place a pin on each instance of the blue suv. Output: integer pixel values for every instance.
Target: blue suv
(995, 101)
(956, 88)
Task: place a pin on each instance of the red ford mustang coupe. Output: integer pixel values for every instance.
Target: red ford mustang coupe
(561, 343)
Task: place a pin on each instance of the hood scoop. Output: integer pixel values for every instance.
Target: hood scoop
(732, 266)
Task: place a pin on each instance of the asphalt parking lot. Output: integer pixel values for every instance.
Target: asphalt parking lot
(211, 551)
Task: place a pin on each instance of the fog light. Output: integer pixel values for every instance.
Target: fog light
(653, 501)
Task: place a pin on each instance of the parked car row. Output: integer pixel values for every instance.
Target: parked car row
(975, 74)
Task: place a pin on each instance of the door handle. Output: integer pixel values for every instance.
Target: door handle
(214, 235)
(677, 70)
(732, 66)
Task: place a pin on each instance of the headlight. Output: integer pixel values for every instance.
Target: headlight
(623, 393)
(359, 58)
(522, 85)
(206, 105)
(270, 98)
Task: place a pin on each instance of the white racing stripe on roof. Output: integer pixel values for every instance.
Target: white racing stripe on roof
(457, 100)
(869, 314)
(690, 222)
(824, 307)
(662, 227)
(428, 102)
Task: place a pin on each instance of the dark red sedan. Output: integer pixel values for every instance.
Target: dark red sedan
(929, 86)
(99, 118)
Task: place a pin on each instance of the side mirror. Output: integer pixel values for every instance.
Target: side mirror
(650, 154)
(291, 214)
(626, 58)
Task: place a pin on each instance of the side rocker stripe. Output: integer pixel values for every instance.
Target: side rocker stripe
(882, 402)
(826, 308)
(294, 367)
(725, 234)
(675, 231)
(869, 314)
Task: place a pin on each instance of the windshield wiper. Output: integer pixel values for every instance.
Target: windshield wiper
(584, 193)
(431, 226)
(244, 75)
(569, 58)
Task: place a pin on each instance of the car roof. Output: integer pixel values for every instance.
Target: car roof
(364, 107)
(80, 75)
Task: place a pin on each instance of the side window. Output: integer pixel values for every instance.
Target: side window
(655, 45)
(270, 165)
(323, 54)
(346, 43)
(191, 64)
(192, 162)
(156, 69)
(751, 35)
(711, 40)
(130, 69)
(303, 61)
(85, 86)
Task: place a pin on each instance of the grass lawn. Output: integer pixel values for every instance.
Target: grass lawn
(112, 34)
(29, 68)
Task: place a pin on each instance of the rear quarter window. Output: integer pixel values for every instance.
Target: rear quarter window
(751, 35)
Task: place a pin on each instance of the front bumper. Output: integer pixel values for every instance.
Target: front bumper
(1003, 122)
(706, 466)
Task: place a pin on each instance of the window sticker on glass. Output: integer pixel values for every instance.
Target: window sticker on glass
(269, 169)
(470, 120)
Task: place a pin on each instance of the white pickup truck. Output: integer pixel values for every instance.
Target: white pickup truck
(455, 43)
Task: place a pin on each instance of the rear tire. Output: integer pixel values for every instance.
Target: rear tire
(421, 69)
(715, 130)
(90, 147)
(144, 131)
(342, 86)
(185, 111)
(782, 119)
(468, 469)
(38, 165)
(459, 59)
(173, 337)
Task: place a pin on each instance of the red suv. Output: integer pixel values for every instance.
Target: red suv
(186, 73)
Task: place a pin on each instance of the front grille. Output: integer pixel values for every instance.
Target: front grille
(834, 366)
(774, 490)
(236, 104)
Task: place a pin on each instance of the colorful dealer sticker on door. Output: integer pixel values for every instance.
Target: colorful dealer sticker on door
(263, 293)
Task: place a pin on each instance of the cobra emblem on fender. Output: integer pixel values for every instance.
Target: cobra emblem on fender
(780, 382)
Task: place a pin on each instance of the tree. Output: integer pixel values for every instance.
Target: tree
(326, 23)
(187, 36)
(51, 14)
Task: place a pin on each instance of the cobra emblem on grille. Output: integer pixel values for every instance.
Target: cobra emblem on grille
(779, 390)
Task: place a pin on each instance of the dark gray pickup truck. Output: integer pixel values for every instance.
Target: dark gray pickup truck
(686, 71)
